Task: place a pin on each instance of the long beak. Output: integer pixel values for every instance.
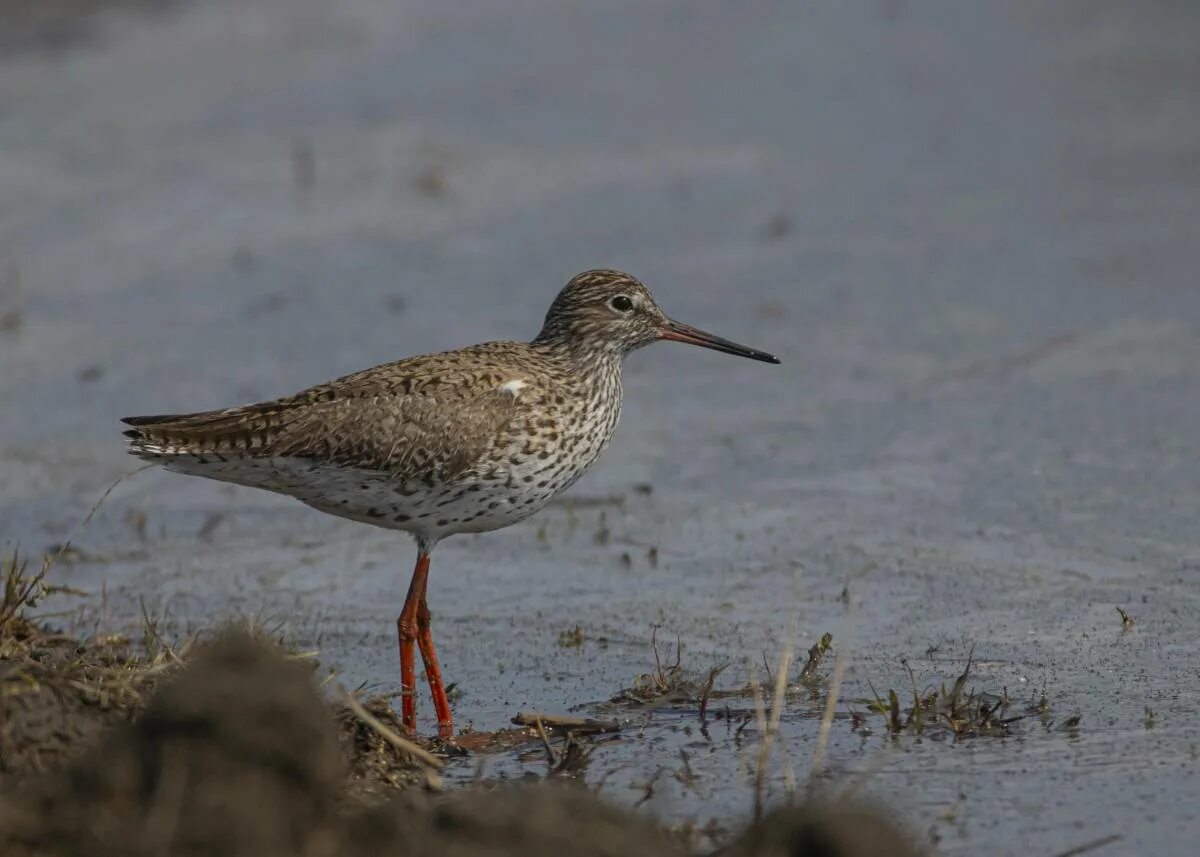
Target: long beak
(679, 332)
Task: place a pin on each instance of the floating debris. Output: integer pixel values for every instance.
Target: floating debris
(809, 671)
(571, 639)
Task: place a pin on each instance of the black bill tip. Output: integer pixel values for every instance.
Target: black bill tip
(677, 331)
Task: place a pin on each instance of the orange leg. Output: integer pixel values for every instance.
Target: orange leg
(433, 672)
(406, 628)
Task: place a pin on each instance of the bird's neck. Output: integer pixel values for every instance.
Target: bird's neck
(584, 358)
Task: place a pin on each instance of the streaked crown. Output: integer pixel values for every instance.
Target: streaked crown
(603, 311)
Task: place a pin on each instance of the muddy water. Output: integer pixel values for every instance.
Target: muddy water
(968, 232)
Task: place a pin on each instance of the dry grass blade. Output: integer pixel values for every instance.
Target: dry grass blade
(831, 701)
(781, 684)
(760, 720)
(769, 728)
(23, 591)
(665, 678)
(20, 590)
(66, 545)
(389, 735)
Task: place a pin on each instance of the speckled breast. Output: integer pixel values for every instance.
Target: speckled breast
(539, 454)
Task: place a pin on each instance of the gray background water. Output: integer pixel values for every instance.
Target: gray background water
(969, 231)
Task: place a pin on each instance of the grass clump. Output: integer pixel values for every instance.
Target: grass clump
(957, 711)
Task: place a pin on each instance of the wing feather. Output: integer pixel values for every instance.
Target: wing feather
(420, 418)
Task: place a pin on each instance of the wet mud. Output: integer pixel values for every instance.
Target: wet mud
(966, 230)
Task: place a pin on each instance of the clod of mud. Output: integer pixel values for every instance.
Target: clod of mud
(823, 830)
(234, 755)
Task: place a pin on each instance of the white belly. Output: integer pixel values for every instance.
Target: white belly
(472, 503)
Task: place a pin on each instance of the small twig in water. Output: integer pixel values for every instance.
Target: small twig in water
(565, 721)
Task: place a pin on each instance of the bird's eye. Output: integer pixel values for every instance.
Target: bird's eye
(621, 303)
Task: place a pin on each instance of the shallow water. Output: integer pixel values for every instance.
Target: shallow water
(968, 233)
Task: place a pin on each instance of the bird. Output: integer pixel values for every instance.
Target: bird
(463, 441)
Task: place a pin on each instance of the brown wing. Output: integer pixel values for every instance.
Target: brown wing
(417, 418)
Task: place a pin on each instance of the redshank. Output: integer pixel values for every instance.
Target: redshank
(458, 442)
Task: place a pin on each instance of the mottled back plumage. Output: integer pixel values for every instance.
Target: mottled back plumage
(460, 441)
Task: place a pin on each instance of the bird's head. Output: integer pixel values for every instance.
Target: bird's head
(612, 313)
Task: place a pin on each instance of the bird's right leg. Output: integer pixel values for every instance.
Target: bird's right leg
(433, 672)
(406, 628)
